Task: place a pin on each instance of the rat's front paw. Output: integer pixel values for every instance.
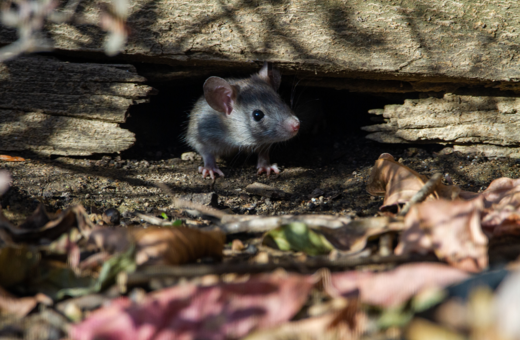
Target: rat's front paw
(210, 171)
(267, 169)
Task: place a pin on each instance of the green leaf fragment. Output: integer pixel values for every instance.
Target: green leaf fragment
(298, 236)
(394, 317)
(124, 262)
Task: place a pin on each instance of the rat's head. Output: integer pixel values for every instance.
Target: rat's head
(252, 108)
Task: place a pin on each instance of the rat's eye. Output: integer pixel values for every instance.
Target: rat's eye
(258, 115)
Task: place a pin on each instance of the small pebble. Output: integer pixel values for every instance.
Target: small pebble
(237, 245)
(111, 216)
(188, 156)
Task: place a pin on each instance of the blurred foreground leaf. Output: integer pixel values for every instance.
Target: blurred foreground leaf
(449, 228)
(19, 307)
(220, 311)
(420, 329)
(298, 236)
(17, 263)
(54, 277)
(124, 262)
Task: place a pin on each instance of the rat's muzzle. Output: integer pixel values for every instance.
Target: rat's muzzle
(292, 125)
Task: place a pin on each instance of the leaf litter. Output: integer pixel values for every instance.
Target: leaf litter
(202, 281)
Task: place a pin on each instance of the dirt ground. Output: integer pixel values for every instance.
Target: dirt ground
(323, 175)
(324, 168)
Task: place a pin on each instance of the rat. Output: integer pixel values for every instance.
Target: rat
(240, 115)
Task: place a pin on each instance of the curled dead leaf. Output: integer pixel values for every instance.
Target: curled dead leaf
(451, 229)
(161, 245)
(41, 228)
(502, 192)
(353, 237)
(20, 307)
(176, 245)
(398, 183)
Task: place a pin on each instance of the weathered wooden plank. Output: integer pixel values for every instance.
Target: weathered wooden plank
(102, 107)
(85, 90)
(57, 135)
(420, 40)
(474, 123)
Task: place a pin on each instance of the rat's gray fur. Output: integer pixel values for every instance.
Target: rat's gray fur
(214, 133)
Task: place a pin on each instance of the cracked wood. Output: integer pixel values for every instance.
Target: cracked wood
(419, 40)
(472, 123)
(53, 107)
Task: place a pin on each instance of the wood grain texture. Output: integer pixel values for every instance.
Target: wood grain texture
(420, 40)
(473, 123)
(83, 90)
(53, 107)
(58, 135)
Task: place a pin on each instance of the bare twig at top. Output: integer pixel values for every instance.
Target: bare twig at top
(28, 18)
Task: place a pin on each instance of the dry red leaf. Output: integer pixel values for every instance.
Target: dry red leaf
(395, 287)
(451, 229)
(176, 245)
(221, 311)
(7, 158)
(398, 183)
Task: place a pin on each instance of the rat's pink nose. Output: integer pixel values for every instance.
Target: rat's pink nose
(295, 126)
(292, 124)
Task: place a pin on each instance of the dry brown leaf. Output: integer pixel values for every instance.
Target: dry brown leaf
(40, 228)
(176, 245)
(502, 192)
(111, 239)
(353, 237)
(395, 287)
(451, 229)
(20, 307)
(161, 245)
(398, 183)
(501, 214)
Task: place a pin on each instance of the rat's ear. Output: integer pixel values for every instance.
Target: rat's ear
(220, 94)
(271, 75)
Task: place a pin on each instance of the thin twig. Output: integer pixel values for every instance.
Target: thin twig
(310, 265)
(154, 220)
(422, 194)
(258, 224)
